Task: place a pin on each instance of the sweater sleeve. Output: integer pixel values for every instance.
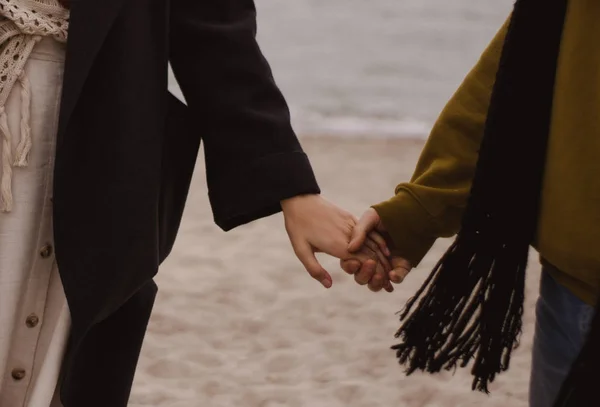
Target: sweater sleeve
(431, 205)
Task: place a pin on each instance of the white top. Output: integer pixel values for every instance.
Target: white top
(34, 315)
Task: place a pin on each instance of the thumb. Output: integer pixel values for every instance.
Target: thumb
(367, 222)
(306, 255)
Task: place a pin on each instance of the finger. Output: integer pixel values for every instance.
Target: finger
(400, 269)
(350, 266)
(365, 224)
(376, 283)
(379, 280)
(380, 240)
(389, 287)
(366, 272)
(377, 250)
(307, 257)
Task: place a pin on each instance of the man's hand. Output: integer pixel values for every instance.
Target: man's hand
(316, 225)
(365, 273)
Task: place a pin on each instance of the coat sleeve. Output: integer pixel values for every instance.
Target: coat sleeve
(253, 157)
(432, 204)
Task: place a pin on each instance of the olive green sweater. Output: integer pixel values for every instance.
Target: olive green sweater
(432, 203)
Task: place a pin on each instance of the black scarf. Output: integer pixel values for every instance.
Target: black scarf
(471, 305)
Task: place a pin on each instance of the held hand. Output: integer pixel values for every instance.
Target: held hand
(368, 272)
(369, 225)
(374, 257)
(316, 225)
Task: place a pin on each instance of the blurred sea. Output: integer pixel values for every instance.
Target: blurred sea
(373, 68)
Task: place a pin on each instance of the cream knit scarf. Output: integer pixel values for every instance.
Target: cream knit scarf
(23, 23)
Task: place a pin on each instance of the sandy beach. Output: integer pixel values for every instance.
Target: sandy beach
(238, 322)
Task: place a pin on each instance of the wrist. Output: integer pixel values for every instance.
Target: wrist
(290, 203)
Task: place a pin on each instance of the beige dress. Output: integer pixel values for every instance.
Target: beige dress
(34, 317)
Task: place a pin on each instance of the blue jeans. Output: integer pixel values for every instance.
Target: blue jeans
(562, 322)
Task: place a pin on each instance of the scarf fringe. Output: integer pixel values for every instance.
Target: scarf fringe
(6, 199)
(24, 147)
(470, 307)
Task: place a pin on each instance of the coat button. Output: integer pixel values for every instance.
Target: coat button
(18, 374)
(46, 251)
(32, 321)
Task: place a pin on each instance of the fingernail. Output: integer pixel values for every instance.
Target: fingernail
(387, 252)
(326, 283)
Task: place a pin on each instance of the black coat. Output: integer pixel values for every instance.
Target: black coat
(125, 157)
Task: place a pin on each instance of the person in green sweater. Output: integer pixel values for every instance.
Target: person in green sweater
(566, 232)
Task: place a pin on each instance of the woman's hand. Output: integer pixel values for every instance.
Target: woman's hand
(315, 225)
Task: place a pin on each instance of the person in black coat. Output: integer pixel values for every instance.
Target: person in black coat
(125, 154)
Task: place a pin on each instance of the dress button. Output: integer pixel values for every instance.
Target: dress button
(32, 321)
(46, 251)
(18, 374)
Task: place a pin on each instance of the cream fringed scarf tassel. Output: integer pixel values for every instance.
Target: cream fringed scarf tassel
(23, 23)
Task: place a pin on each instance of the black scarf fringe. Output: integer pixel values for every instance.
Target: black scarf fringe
(470, 307)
